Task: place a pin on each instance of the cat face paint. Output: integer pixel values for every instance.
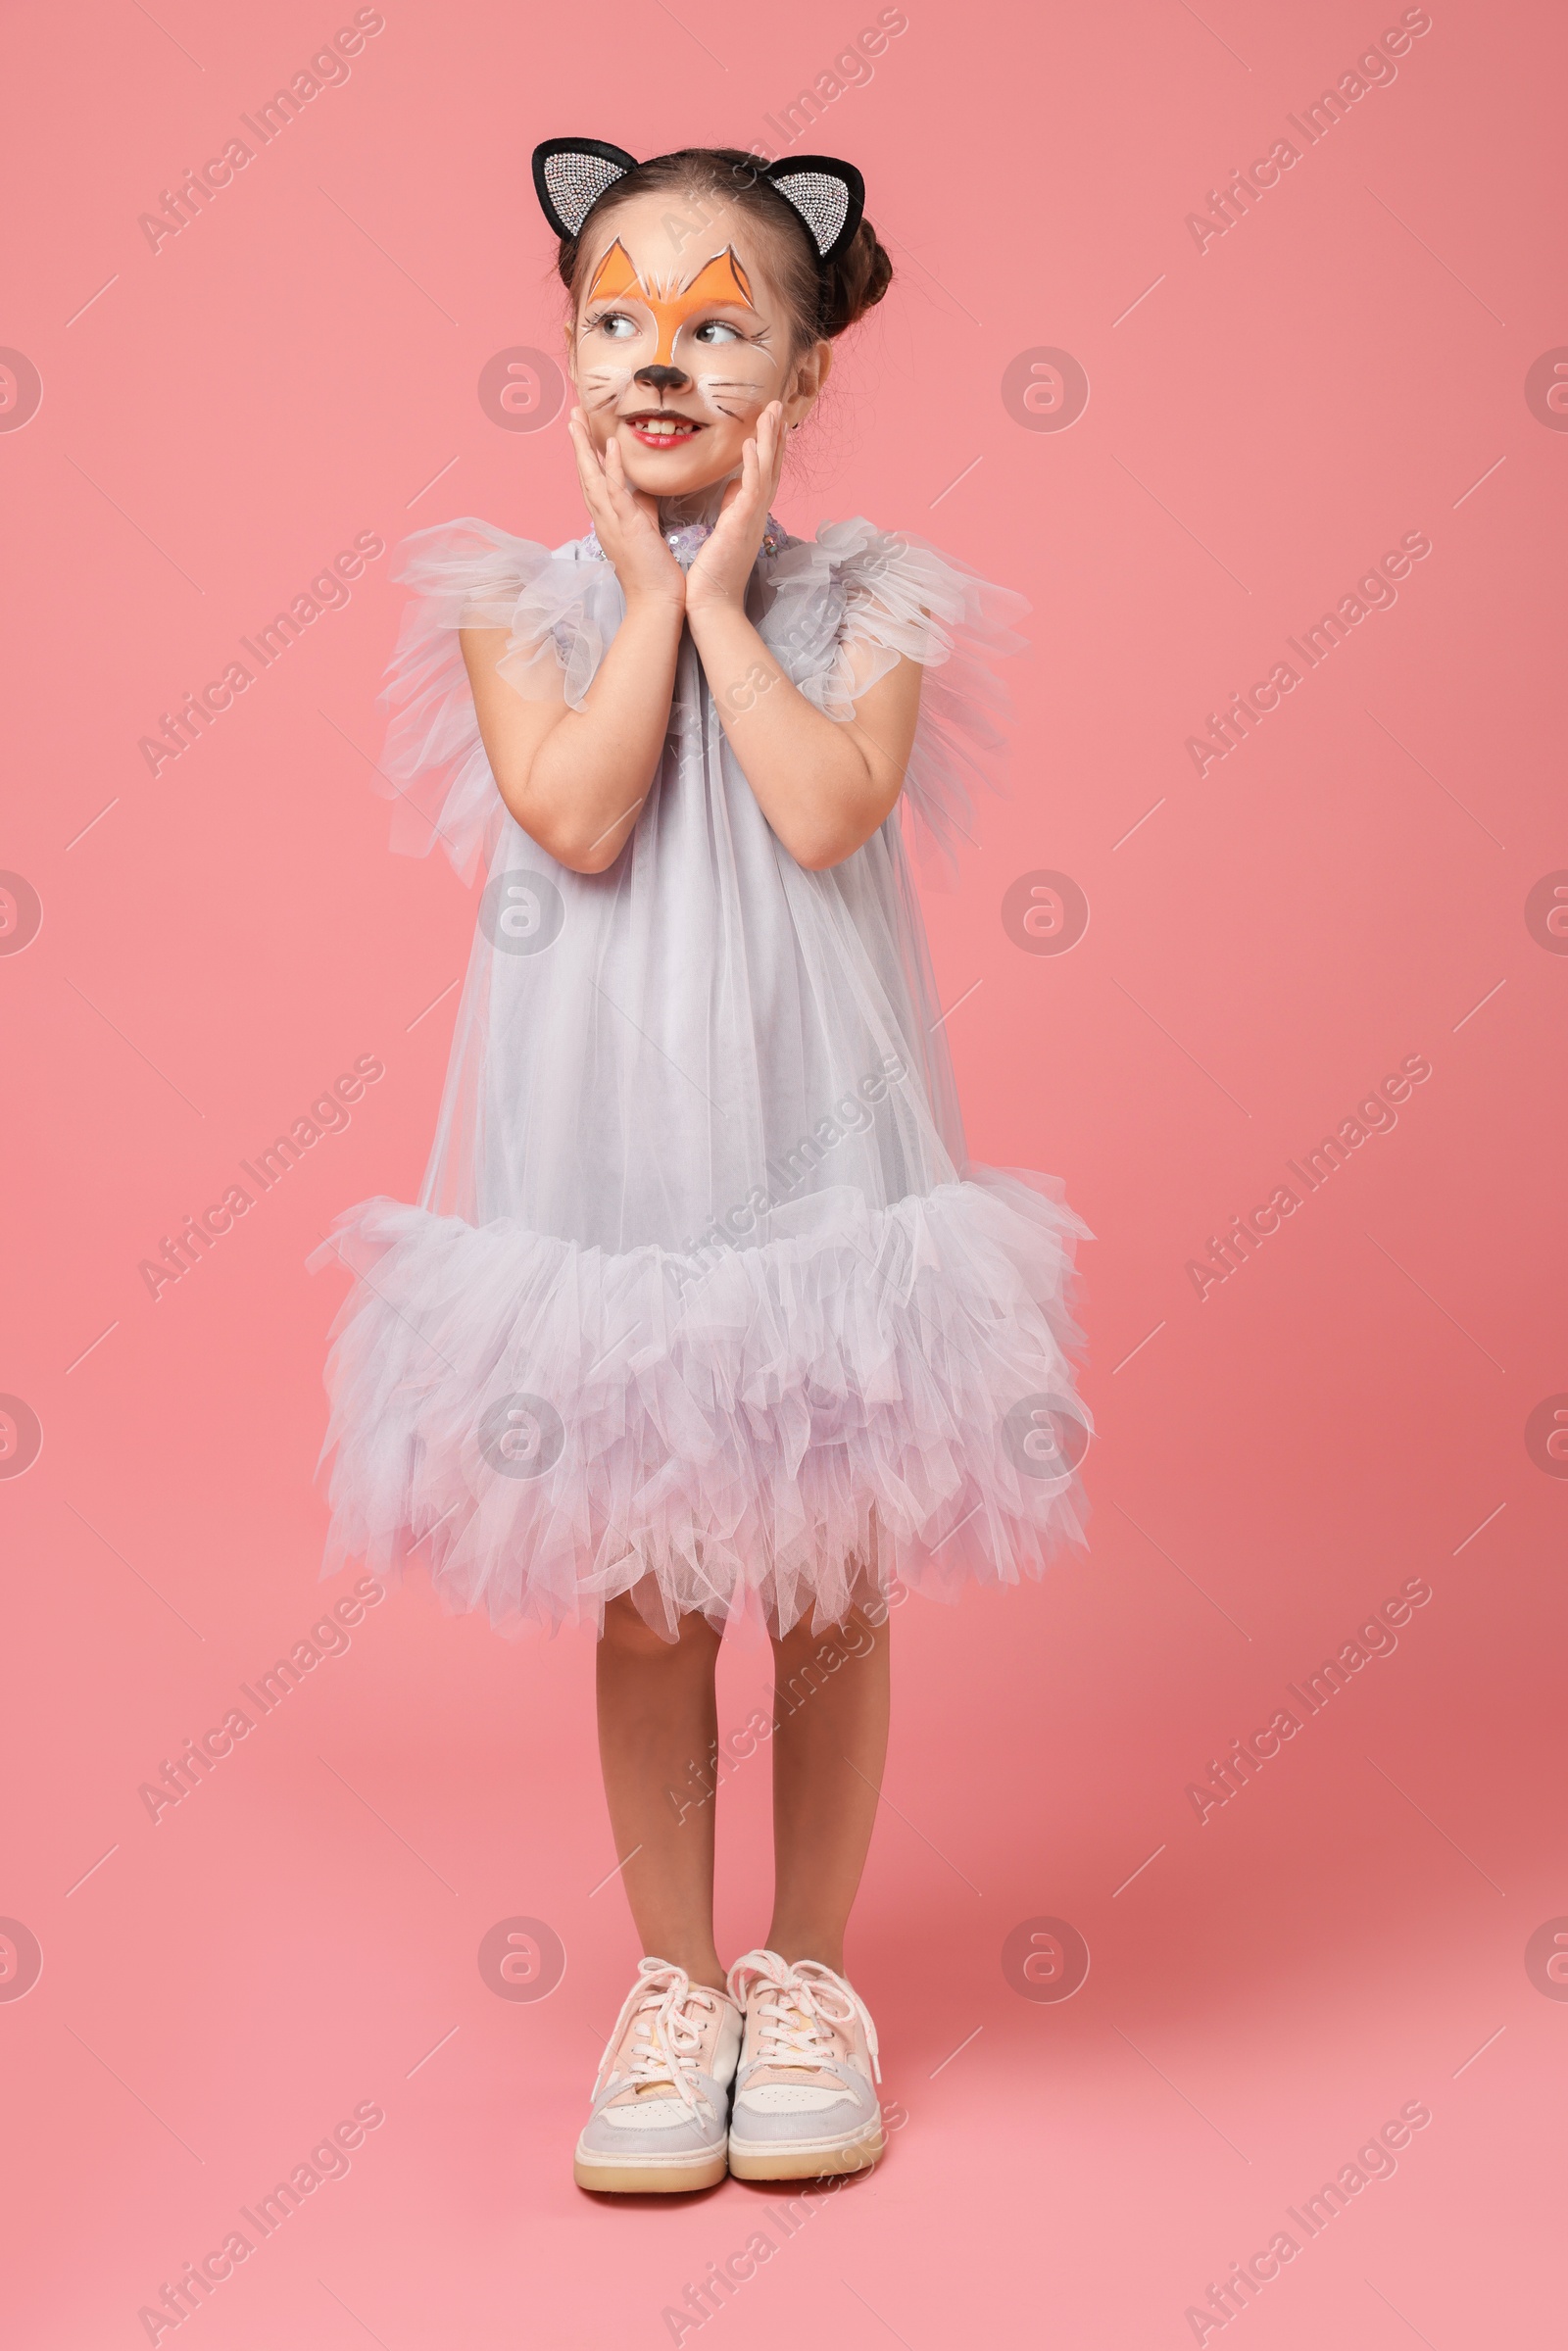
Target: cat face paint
(677, 347)
(721, 283)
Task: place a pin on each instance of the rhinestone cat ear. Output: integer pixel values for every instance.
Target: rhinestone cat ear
(829, 196)
(570, 175)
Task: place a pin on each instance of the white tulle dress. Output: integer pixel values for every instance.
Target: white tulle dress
(701, 1299)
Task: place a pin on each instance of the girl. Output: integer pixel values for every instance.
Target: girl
(703, 1311)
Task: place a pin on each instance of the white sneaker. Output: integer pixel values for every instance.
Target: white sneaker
(803, 2102)
(661, 2104)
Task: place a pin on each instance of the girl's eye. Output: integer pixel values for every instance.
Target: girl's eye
(613, 323)
(717, 330)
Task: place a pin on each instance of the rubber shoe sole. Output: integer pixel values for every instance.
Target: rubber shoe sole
(674, 2176)
(808, 2159)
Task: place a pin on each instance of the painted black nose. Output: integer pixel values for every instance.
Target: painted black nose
(663, 380)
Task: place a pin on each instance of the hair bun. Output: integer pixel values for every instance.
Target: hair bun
(855, 280)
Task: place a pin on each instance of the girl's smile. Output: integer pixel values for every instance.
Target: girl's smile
(662, 428)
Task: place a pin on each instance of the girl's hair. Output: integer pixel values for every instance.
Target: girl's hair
(822, 299)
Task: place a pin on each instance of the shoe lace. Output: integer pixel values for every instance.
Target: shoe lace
(665, 2042)
(796, 2008)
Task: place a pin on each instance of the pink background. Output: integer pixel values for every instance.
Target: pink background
(1349, 1411)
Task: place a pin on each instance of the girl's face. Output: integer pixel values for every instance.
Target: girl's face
(681, 340)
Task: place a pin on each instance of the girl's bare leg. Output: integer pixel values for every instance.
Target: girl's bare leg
(657, 1722)
(829, 1745)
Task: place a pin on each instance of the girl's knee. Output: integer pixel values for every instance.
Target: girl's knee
(630, 1634)
(854, 1636)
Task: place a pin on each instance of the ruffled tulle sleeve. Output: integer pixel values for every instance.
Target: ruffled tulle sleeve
(560, 609)
(849, 603)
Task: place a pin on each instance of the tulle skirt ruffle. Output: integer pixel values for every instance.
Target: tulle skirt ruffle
(775, 1431)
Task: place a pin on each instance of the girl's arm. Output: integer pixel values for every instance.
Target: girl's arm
(825, 785)
(575, 780)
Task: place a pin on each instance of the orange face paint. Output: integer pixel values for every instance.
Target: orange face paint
(723, 280)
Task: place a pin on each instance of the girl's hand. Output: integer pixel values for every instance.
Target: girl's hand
(627, 524)
(722, 566)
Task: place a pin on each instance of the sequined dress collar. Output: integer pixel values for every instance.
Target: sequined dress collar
(683, 539)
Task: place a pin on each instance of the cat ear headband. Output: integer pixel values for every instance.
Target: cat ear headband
(570, 175)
